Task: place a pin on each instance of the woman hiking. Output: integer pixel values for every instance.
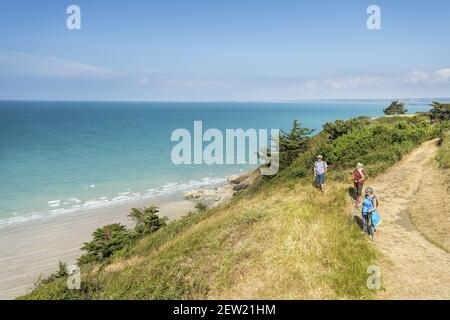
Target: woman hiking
(370, 206)
(320, 168)
(359, 178)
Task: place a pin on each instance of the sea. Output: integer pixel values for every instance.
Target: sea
(63, 157)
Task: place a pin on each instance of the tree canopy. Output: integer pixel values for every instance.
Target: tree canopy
(293, 143)
(440, 111)
(147, 220)
(105, 242)
(396, 107)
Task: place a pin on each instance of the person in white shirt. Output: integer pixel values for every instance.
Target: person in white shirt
(320, 168)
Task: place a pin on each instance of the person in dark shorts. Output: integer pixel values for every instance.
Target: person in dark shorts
(320, 168)
(359, 178)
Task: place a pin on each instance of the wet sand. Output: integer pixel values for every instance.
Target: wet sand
(31, 250)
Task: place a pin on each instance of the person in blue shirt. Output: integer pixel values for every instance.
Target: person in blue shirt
(320, 168)
(370, 205)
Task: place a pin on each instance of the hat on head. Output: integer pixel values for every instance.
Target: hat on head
(319, 156)
(360, 165)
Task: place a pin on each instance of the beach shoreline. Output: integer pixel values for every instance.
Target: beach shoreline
(32, 250)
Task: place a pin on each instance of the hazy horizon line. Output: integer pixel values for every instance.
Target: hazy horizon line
(224, 100)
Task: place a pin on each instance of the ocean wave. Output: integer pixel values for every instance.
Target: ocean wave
(54, 203)
(73, 205)
(20, 218)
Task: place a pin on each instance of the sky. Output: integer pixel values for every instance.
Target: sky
(226, 50)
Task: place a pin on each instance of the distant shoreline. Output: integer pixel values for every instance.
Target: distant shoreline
(406, 99)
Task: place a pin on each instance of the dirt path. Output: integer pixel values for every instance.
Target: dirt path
(415, 268)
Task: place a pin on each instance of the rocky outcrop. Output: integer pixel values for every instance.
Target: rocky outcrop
(218, 195)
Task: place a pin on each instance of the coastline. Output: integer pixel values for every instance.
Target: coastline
(31, 250)
(214, 196)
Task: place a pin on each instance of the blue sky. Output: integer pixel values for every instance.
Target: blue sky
(223, 50)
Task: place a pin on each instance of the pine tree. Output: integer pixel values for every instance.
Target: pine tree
(62, 270)
(396, 107)
(105, 242)
(147, 220)
(293, 143)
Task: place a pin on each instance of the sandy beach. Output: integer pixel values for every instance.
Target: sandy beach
(31, 250)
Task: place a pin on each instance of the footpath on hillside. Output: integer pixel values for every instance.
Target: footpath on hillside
(412, 267)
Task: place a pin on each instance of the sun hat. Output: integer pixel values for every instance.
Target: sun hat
(360, 165)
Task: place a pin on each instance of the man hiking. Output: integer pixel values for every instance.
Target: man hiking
(359, 178)
(320, 168)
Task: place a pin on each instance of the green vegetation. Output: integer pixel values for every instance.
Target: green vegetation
(105, 242)
(62, 273)
(293, 143)
(62, 270)
(379, 145)
(440, 111)
(396, 107)
(341, 127)
(280, 238)
(147, 220)
(115, 237)
(444, 151)
(201, 206)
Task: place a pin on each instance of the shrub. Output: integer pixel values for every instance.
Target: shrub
(378, 142)
(62, 270)
(147, 220)
(293, 143)
(444, 151)
(200, 206)
(341, 127)
(106, 241)
(440, 111)
(396, 107)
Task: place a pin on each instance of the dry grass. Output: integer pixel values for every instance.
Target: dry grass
(282, 242)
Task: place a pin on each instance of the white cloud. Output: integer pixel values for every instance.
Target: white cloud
(342, 83)
(349, 82)
(22, 64)
(438, 77)
(173, 82)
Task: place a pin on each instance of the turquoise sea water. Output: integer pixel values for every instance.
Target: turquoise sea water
(64, 157)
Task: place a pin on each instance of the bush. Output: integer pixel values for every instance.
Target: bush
(147, 220)
(62, 270)
(440, 111)
(396, 107)
(293, 143)
(379, 142)
(341, 127)
(106, 241)
(200, 206)
(444, 151)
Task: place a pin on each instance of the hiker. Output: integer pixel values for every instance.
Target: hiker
(359, 178)
(320, 168)
(370, 205)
